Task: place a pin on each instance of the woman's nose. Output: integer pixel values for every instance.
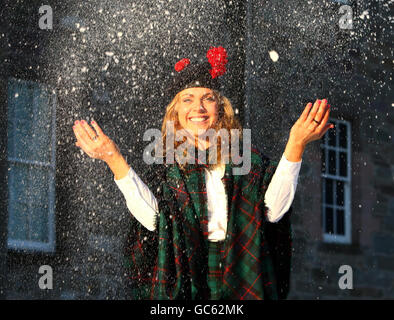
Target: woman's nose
(201, 108)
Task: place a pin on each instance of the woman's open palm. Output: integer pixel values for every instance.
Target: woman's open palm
(312, 124)
(94, 142)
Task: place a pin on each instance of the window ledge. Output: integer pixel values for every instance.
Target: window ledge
(339, 248)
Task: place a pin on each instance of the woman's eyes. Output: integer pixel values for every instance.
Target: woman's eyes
(209, 99)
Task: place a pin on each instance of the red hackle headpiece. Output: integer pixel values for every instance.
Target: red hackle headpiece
(217, 57)
(181, 64)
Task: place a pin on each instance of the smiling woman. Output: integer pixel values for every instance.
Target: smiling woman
(202, 231)
(194, 111)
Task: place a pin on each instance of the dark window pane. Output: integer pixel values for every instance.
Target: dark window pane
(29, 122)
(39, 223)
(342, 136)
(41, 128)
(28, 202)
(329, 191)
(343, 164)
(19, 183)
(19, 111)
(18, 222)
(329, 220)
(323, 160)
(331, 162)
(340, 193)
(340, 222)
(332, 137)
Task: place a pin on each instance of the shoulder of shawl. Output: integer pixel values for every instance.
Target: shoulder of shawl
(258, 158)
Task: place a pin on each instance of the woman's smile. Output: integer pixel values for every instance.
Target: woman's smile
(199, 119)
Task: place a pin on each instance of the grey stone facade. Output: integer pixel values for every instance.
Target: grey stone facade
(316, 60)
(353, 72)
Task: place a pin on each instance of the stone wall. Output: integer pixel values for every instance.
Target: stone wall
(318, 60)
(125, 98)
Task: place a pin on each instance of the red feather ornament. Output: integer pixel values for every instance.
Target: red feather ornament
(217, 57)
(181, 64)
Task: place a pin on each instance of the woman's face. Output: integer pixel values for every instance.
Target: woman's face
(197, 110)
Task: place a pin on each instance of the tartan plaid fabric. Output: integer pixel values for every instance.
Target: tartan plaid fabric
(174, 261)
(215, 269)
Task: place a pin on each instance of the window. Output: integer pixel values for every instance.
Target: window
(31, 166)
(342, 1)
(336, 183)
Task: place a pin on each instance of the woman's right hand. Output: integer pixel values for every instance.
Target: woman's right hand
(94, 142)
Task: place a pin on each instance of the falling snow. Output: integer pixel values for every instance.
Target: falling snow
(111, 61)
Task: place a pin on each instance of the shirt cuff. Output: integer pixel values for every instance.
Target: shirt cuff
(288, 168)
(127, 181)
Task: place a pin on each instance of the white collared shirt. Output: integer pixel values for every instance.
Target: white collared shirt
(278, 198)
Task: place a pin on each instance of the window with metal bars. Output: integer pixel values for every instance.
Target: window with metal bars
(336, 183)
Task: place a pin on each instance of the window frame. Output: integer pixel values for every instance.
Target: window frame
(343, 2)
(30, 245)
(336, 238)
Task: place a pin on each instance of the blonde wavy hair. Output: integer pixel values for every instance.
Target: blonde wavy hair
(226, 120)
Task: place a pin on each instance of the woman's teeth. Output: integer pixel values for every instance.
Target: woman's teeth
(198, 119)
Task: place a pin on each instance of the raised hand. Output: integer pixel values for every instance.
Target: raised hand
(94, 142)
(310, 126)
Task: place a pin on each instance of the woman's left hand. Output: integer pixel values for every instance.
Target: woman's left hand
(311, 126)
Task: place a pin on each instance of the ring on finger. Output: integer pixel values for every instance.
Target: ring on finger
(94, 138)
(316, 121)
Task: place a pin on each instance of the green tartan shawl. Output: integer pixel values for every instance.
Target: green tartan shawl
(172, 261)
